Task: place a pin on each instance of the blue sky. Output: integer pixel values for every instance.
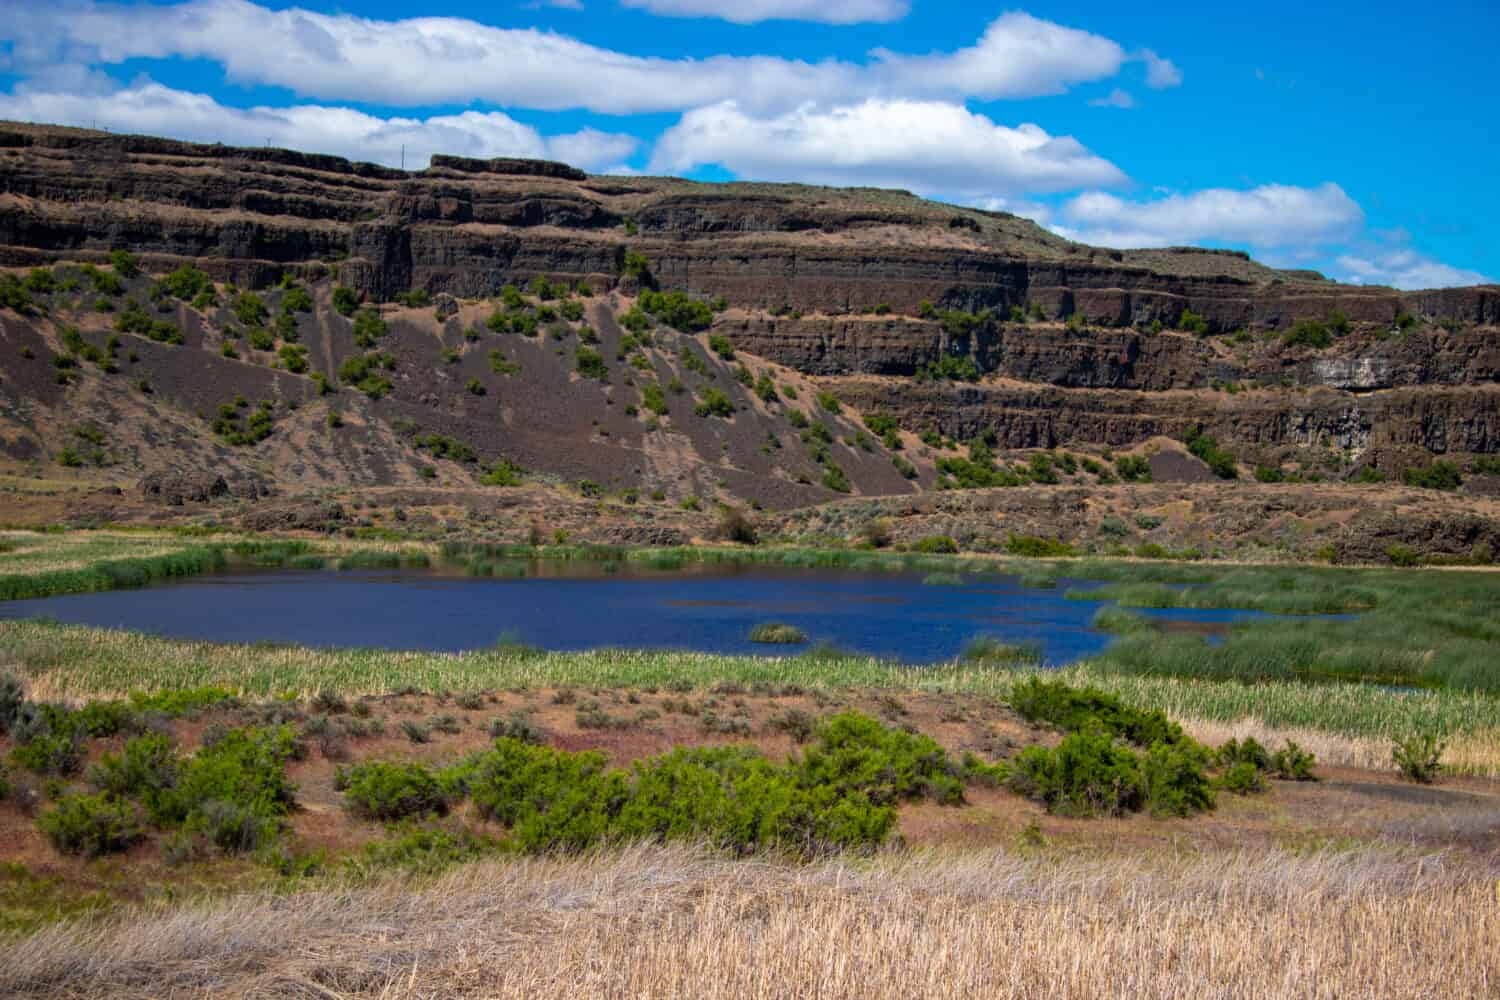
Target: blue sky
(1358, 141)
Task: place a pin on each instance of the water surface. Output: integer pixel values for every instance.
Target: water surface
(709, 609)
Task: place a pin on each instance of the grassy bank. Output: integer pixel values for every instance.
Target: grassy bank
(77, 663)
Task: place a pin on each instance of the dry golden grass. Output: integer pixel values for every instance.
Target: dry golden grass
(1476, 753)
(673, 922)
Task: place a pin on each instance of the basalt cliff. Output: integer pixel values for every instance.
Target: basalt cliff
(947, 324)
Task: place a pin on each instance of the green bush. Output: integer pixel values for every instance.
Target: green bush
(1419, 757)
(720, 345)
(1243, 778)
(345, 300)
(713, 403)
(368, 327)
(147, 769)
(936, 544)
(91, 825)
(186, 283)
(590, 363)
(1206, 448)
(1292, 763)
(250, 310)
(1439, 475)
(1173, 782)
(385, 791)
(1133, 468)
(1033, 547)
(678, 311)
(1308, 333)
(1070, 708)
(1249, 752)
(244, 769)
(1085, 775)
(550, 799)
(835, 478)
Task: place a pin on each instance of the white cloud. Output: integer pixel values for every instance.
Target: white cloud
(442, 60)
(1018, 56)
(1404, 268)
(151, 108)
(752, 11)
(927, 146)
(1161, 74)
(1272, 215)
(1117, 98)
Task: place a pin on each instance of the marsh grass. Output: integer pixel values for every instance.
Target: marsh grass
(77, 663)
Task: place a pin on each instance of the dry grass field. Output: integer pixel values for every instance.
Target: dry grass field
(676, 922)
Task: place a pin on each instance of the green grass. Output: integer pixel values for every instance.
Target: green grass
(73, 662)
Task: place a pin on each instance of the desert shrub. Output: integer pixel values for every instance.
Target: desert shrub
(653, 399)
(125, 263)
(550, 799)
(720, 345)
(345, 300)
(713, 403)
(1033, 547)
(678, 311)
(146, 769)
(936, 544)
(949, 367)
(1133, 468)
(829, 402)
(1206, 448)
(1084, 775)
(48, 752)
(368, 327)
(186, 283)
(1249, 752)
(1308, 333)
(1439, 475)
(590, 363)
(364, 372)
(386, 791)
(855, 753)
(1403, 555)
(1243, 778)
(1173, 782)
(250, 310)
(1418, 757)
(1070, 708)
(1193, 323)
(235, 788)
(91, 825)
(1292, 763)
(518, 727)
(777, 633)
(835, 478)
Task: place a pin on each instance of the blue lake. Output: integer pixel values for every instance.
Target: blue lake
(709, 609)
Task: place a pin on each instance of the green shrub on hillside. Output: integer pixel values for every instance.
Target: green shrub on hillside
(91, 825)
(386, 791)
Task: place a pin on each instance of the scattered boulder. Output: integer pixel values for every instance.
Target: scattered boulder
(445, 305)
(654, 535)
(307, 516)
(175, 487)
